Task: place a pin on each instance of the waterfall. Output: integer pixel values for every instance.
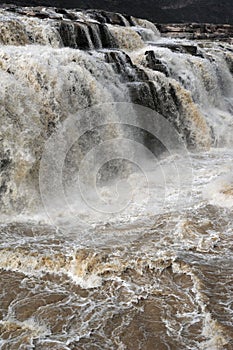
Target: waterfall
(205, 73)
(57, 62)
(116, 187)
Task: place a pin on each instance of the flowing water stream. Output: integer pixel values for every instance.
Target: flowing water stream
(116, 186)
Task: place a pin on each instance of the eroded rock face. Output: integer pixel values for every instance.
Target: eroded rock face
(195, 31)
(160, 11)
(154, 63)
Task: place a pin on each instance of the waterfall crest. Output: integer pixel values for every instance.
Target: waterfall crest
(57, 62)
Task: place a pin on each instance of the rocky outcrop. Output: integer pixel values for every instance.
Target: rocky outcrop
(195, 31)
(154, 63)
(162, 11)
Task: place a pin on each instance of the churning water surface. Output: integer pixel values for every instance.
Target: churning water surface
(153, 271)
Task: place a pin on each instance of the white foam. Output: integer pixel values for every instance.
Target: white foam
(220, 191)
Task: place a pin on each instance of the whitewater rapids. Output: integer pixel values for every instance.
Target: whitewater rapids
(158, 273)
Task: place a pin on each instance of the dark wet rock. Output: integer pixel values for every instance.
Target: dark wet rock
(195, 31)
(146, 94)
(164, 101)
(69, 33)
(228, 57)
(66, 14)
(3, 188)
(191, 49)
(181, 48)
(123, 66)
(85, 36)
(4, 163)
(5, 169)
(155, 64)
(107, 39)
(230, 63)
(111, 18)
(140, 93)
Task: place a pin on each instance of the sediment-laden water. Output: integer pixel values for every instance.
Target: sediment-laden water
(155, 273)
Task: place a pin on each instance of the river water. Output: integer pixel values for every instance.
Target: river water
(153, 274)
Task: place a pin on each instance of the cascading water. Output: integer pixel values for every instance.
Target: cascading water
(90, 100)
